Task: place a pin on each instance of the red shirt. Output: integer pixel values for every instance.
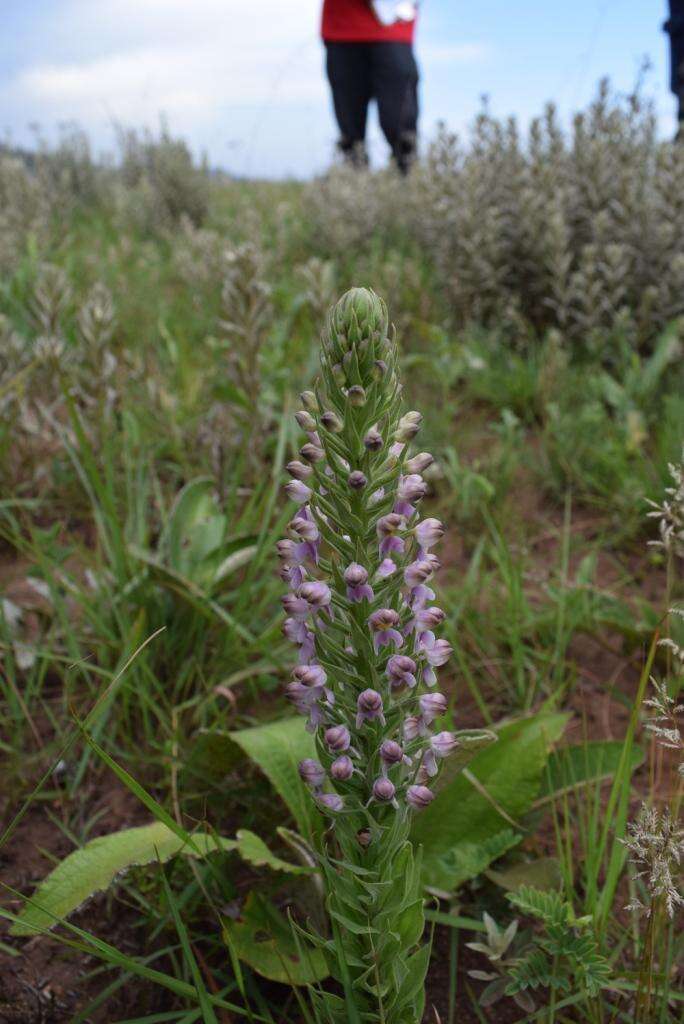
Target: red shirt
(353, 21)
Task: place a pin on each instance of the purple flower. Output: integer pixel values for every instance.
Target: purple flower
(296, 608)
(304, 527)
(410, 490)
(436, 653)
(395, 451)
(298, 470)
(401, 671)
(428, 533)
(373, 440)
(419, 572)
(376, 496)
(419, 797)
(358, 588)
(311, 452)
(387, 527)
(312, 773)
(337, 738)
(298, 492)
(357, 480)
(332, 422)
(385, 569)
(384, 624)
(391, 754)
(341, 769)
(305, 420)
(369, 707)
(419, 463)
(383, 790)
(441, 745)
(316, 594)
(413, 727)
(432, 705)
(330, 801)
(428, 619)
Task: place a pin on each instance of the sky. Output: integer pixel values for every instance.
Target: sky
(243, 82)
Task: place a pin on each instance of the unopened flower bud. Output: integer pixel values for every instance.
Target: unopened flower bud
(299, 470)
(311, 452)
(356, 395)
(342, 768)
(369, 707)
(363, 837)
(312, 773)
(391, 753)
(419, 463)
(330, 801)
(332, 422)
(409, 425)
(419, 797)
(356, 480)
(373, 440)
(384, 789)
(309, 401)
(305, 420)
(379, 369)
(337, 738)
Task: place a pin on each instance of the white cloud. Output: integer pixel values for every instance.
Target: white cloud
(217, 69)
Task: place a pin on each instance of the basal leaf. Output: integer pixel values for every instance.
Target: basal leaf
(95, 866)
(463, 819)
(266, 941)
(254, 850)
(277, 748)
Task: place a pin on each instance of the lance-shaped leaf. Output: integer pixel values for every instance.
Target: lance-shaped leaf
(93, 868)
(472, 819)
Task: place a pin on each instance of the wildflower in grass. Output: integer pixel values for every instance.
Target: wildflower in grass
(656, 848)
(359, 609)
(670, 513)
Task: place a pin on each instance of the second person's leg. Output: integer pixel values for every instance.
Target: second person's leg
(395, 87)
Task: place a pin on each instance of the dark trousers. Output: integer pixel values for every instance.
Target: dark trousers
(675, 27)
(386, 73)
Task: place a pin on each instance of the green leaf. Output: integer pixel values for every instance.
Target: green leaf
(196, 527)
(95, 866)
(277, 748)
(255, 851)
(543, 873)
(466, 826)
(591, 761)
(265, 940)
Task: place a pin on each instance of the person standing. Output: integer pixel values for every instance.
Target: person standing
(674, 26)
(369, 56)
